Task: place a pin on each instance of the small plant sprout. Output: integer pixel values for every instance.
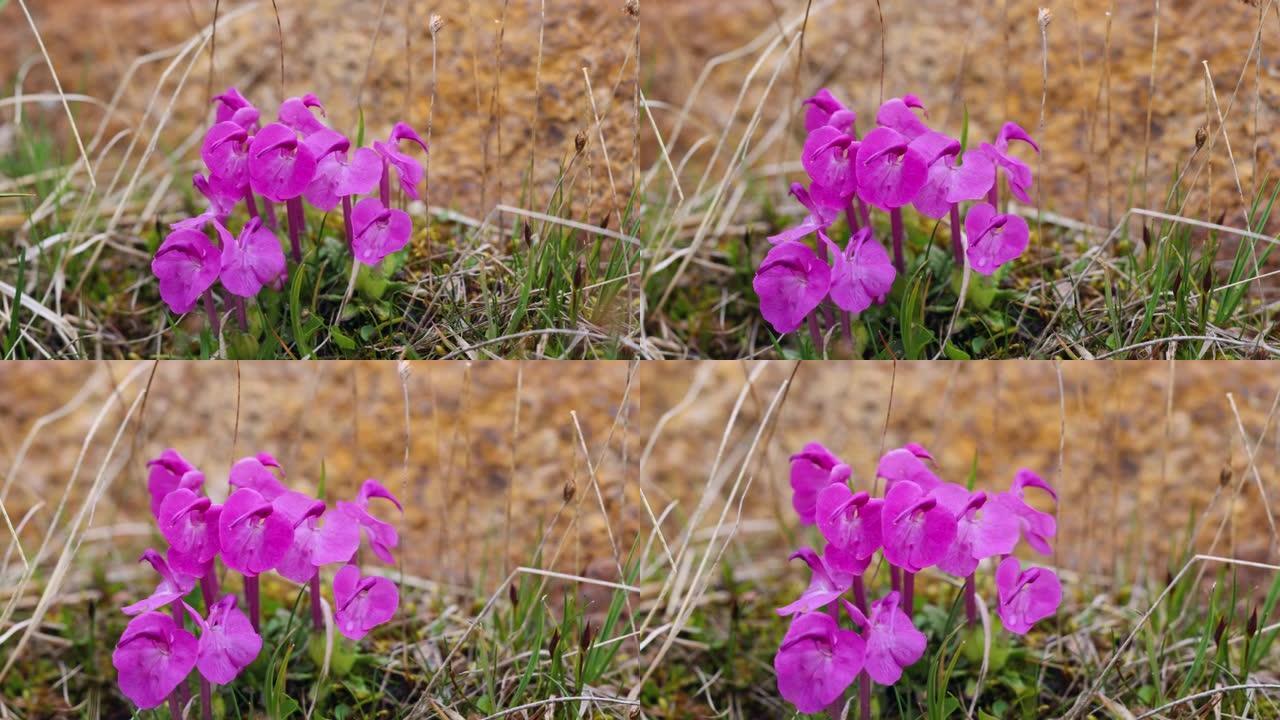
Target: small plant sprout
(921, 522)
(294, 161)
(262, 526)
(899, 162)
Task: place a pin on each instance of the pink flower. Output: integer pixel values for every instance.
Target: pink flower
(280, 166)
(824, 208)
(824, 109)
(826, 585)
(906, 464)
(251, 472)
(983, 530)
(828, 157)
(1018, 172)
(362, 603)
(295, 114)
(251, 260)
(861, 274)
(314, 544)
(892, 642)
(898, 114)
(850, 521)
(383, 537)
(916, 530)
(994, 238)
(890, 172)
(233, 107)
(1038, 527)
(189, 522)
(167, 473)
(227, 642)
(1027, 596)
(378, 230)
(252, 535)
(186, 265)
(407, 167)
(817, 661)
(812, 470)
(225, 151)
(153, 656)
(949, 183)
(337, 175)
(791, 282)
(173, 586)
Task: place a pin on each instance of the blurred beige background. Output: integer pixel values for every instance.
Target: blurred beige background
(1133, 474)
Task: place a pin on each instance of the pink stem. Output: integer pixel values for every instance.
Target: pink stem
(209, 588)
(895, 219)
(269, 209)
(317, 614)
(293, 208)
(851, 215)
(384, 187)
(894, 580)
(864, 696)
(815, 333)
(859, 594)
(957, 247)
(241, 317)
(250, 203)
(212, 311)
(175, 705)
(909, 593)
(206, 699)
(346, 221)
(251, 600)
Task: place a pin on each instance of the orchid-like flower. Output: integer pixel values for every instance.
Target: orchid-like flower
(906, 464)
(222, 197)
(233, 107)
(898, 114)
(950, 182)
(824, 209)
(252, 535)
(408, 169)
(153, 657)
(295, 114)
(791, 282)
(228, 642)
(826, 584)
(917, 530)
(186, 265)
(850, 522)
(1037, 526)
(861, 274)
(225, 151)
(167, 473)
(250, 260)
(982, 531)
(383, 537)
(824, 109)
(252, 472)
(1026, 596)
(280, 165)
(994, 238)
(1018, 172)
(828, 157)
(817, 661)
(378, 230)
(173, 586)
(892, 641)
(889, 171)
(813, 469)
(362, 603)
(189, 522)
(339, 175)
(314, 544)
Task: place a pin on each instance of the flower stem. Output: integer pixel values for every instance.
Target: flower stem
(293, 208)
(317, 615)
(851, 215)
(815, 333)
(251, 600)
(895, 219)
(209, 588)
(242, 318)
(957, 245)
(971, 599)
(212, 311)
(384, 187)
(269, 210)
(864, 695)
(346, 221)
(838, 704)
(175, 705)
(909, 592)
(859, 594)
(894, 579)
(250, 203)
(864, 213)
(846, 319)
(206, 699)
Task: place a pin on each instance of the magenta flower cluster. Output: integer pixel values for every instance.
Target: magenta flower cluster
(262, 526)
(900, 162)
(296, 157)
(920, 522)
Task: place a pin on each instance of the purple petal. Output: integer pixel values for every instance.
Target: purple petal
(152, 658)
(186, 265)
(280, 166)
(860, 273)
(817, 661)
(252, 260)
(361, 604)
(225, 151)
(228, 643)
(253, 536)
(790, 283)
(994, 239)
(379, 231)
(889, 171)
(252, 473)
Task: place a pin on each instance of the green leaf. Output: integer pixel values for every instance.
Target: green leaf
(342, 340)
